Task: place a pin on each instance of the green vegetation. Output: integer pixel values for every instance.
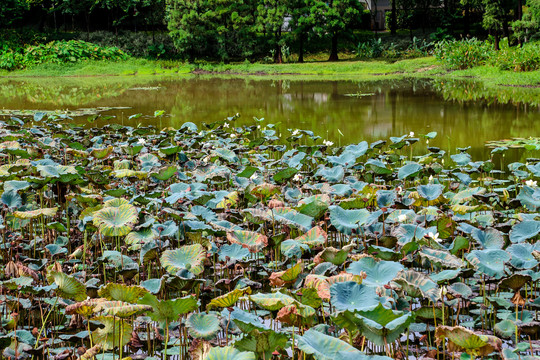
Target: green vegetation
(230, 242)
(58, 52)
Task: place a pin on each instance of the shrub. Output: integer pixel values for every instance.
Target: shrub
(526, 58)
(463, 54)
(58, 52)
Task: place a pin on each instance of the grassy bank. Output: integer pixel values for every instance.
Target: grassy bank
(364, 70)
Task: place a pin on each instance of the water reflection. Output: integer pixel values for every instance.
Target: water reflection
(462, 112)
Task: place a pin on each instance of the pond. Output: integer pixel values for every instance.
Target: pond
(463, 113)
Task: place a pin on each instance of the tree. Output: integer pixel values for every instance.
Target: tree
(270, 19)
(335, 18)
(393, 18)
(225, 28)
(301, 23)
(495, 18)
(11, 11)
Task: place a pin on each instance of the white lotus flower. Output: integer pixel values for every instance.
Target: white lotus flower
(233, 136)
(411, 134)
(295, 132)
(226, 125)
(531, 183)
(433, 236)
(141, 141)
(430, 178)
(327, 143)
(297, 177)
(402, 218)
(399, 190)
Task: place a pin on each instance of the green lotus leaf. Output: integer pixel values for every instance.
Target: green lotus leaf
(524, 230)
(102, 153)
(16, 185)
(352, 296)
(490, 261)
(505, 328)
(324, 347)
(153, 286)
(11, 199)
(189, 257)
(292, 248)
(272, 301)
(115, 202)
(228, 299)
(226, 154)
(121, 292)
(378, 273)
(265, 190)
(114, 334)
(291, 217)
(203, 326)
(284, 175)
(515, 281)
(253, 241)
(116, 221)
(314, 237)
(522, 255)
(409, 170)
(466, 195)
(430, 192)
(229, 353)
(347, 221)
(120, 308)
(381, 325)
(417, 285)
(331, 174)
(489, 239)
(378, 167)
(322, 283)
(164, 173)
(247, 322)
(233, 253)
(444, 258)
(465, 340)
(137, 238)
(35, 213)
(68, 286)
(167, 311)
(335, 256)
(460, 290)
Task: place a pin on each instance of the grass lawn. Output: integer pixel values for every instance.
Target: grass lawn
(346, 69)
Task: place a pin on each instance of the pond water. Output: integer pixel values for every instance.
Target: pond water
(462, 113)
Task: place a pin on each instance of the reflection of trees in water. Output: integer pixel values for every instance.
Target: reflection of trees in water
(55, 93)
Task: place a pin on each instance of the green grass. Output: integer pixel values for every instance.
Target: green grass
(347, 69)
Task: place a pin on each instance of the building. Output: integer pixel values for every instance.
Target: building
(378, 9)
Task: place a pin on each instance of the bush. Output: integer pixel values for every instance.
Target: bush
(137, 44)
(58, 52)
(375, 48)
(463, 54)
(517, 59)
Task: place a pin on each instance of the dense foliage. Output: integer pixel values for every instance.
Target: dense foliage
(233, 242)
(270, 29)
(58, 52)
(470, 53)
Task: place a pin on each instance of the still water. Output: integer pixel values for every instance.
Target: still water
(344, 111)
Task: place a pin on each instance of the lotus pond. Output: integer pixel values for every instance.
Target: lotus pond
(225, 240)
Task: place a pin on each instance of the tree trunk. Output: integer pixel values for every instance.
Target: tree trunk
(497, 40)
(393, 19)
(520, 10)
(334, 51)
(467, 19)
(301, 50)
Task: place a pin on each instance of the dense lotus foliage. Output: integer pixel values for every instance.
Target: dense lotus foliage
(225, 242)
